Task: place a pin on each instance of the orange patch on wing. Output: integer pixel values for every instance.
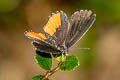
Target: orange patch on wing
(35, 35)
(59, 20)
(54, 22)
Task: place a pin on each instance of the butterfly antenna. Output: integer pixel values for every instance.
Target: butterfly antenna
(80, 48)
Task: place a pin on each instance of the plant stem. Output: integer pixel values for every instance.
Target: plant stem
(49, 73)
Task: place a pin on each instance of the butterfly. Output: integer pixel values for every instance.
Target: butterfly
(59, 34)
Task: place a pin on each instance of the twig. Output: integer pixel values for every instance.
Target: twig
(49, 73)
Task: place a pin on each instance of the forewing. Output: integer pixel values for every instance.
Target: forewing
(57, 27)
(79, 25)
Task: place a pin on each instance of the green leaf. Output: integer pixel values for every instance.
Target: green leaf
(70, 63)
(43, 61)
(38, 77)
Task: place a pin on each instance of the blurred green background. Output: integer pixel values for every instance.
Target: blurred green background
(101, 62)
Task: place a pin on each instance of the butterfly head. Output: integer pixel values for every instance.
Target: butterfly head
(66, 51)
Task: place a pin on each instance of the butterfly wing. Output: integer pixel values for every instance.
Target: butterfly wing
(79, 25)
(45, 48)
(54, 33)
(40, 42)
(57, 27)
